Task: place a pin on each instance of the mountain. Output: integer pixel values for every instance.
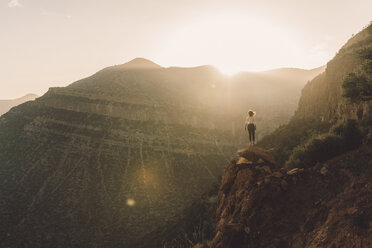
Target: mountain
(5, 105)
(138, 64)
(115, 159)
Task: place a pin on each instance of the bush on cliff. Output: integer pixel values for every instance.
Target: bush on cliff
(357, 85)
(298, 131)
(341, 137)
(350, 132)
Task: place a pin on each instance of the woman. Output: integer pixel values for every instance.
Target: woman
(250, 125)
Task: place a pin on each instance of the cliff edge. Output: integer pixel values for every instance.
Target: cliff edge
(328, 205)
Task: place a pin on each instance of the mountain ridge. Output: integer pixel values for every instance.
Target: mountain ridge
(140, 63)
(143, 63)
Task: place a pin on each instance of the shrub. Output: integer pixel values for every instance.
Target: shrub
(357, 86)
(350, 132)
(316, 150)
(295, 133)
(341, 137)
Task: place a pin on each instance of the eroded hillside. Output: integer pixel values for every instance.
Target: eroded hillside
(116, 158)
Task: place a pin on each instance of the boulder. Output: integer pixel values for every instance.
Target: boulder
(255, 153)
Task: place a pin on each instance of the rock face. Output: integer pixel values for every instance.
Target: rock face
(113, 160)
(324, 206)
(322, 98)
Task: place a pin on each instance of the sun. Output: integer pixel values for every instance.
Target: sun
(229, 70)
(231, 42)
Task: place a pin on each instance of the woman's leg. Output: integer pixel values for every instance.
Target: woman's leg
(251, 133)
(253, 136)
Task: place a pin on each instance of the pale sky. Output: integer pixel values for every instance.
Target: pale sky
(47, 43)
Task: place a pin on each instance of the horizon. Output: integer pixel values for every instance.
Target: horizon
(52, 44)
(162, 67)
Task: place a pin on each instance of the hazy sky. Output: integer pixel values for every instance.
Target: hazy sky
(46, 43)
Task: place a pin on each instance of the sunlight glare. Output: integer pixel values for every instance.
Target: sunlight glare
(131, 202)
(232, 43)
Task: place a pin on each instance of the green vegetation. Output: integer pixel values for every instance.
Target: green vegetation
(357, 85)
(298, 131)
(303, 143)
(341, 137)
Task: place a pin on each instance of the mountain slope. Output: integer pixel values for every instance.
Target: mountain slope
(79, 161)
(114, 159)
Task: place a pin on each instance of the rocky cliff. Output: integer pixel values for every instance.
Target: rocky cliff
(323, 99)
(327, 205)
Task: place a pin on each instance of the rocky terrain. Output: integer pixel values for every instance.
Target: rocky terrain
(328, 205)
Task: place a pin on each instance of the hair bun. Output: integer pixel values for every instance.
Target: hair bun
(251, 111)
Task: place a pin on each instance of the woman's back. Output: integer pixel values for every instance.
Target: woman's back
(250, 120)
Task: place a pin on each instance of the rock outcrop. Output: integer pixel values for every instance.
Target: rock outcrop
(328, 205)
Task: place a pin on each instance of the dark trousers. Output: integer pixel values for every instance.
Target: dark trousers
(251, 131)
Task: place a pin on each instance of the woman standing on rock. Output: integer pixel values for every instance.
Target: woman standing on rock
(250, 126)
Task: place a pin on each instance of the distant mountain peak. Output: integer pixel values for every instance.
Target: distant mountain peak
(140, 63)
(30, 95)
(6, 105)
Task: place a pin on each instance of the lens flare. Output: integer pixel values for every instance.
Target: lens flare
(131, 202)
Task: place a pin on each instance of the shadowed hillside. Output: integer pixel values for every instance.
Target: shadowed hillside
(115, 159)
